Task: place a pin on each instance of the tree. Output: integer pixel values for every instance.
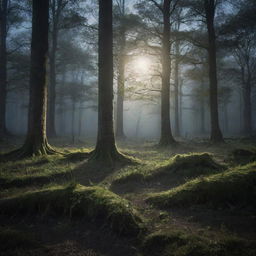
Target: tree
(206, 10)
(3, 66)
(105, 150)
(210, 8)
(166, 132)
(59, 20)
(239, 38)
(121, 73)
(165, 8)
(36, 141)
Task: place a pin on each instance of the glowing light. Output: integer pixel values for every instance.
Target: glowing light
(141, 65)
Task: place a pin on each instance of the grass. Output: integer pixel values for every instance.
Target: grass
(92, 203)
(40, 170)
(233, 187)
(184, 166)
(37, 199)
(175, 243)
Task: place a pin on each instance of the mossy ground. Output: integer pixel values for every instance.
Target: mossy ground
(45, 212)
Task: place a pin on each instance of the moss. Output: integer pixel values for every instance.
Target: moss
(243, 156)
(183, 166)
(11, 239)
(181, 244)
(93, 203)
(34, 171)
(233, 187)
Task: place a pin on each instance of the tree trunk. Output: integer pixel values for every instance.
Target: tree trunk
(202, 109)
(176, 89)
(216, 134)
(73, 121)
(166, 133)
(121, 80)
(120, 97)
(247, 110)
(36, 141)
(51, 130)
(80, 119)
(3, 66)
(105, 150)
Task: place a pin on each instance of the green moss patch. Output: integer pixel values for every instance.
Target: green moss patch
(181, 244)
(182, 166)
(233, 187)
(93, 203)
(243, 156)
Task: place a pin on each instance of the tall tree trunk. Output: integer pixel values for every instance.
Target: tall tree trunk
(36, 141)
(73, 121)
(176, 89)
(121, 79)
(216, 134)
(80, 119)
(120, 97)
(247, 94)
(3, 66)
(166, 132)
(225, 112)
(202, 109)
(105, 150)
(55, 10)
(247, 109)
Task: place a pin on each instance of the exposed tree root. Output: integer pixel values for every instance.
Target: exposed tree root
(29, 150)
(106, 156)
(167, 141)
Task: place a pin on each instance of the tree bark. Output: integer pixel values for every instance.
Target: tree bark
(247, 109)
(216, 134)
(36, 141)
(105, 150)
(3, 66)
(120, 96)
(121, 79)
(166, 132)
(176, 89)
(202, 109)
(55, 9)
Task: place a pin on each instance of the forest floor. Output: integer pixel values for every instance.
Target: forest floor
(192, 199)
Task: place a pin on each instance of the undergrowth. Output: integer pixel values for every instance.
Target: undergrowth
(176, 243)
(235, 187)
(183, 166)
(92, 203)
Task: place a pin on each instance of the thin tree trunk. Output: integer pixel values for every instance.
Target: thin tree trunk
(166, 132)
(225, 110)
(80, 117)
(120, 98)
(247, 110)
(248, 101)
(121, 80)
(202, 109)
(73, 121)
(216, 134)
(105, 150)
(51, 130)
(176, 89)
(3, 66)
